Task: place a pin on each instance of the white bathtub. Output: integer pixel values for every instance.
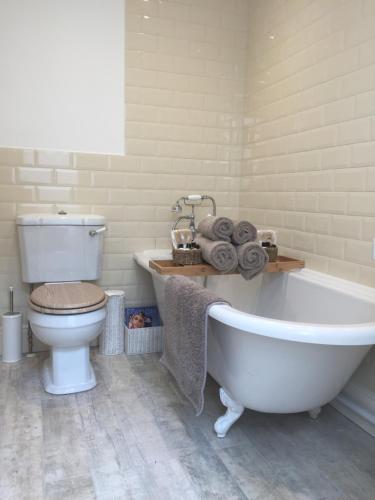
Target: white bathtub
(289, 342)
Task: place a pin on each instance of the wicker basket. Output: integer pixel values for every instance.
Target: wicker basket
(185, 257)
(143, 340)
(111, 341)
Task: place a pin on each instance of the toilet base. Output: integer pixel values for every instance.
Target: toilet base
(59, 377)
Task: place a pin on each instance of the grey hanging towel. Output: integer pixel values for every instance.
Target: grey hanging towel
(185, 336)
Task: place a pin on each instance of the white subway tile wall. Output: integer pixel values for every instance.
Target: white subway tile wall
(309, 138)
(267, 106)
(185, 98)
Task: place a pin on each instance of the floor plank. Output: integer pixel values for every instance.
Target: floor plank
(135, 437)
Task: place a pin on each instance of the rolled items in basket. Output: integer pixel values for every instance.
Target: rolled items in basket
(216, 228)
(220, 254)
(181, 237)
(243, 231)
(252, 259)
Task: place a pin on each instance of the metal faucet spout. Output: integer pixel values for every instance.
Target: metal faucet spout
(192, 200)
(190, 218)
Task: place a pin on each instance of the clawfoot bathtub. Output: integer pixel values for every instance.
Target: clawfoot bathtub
(289, 342)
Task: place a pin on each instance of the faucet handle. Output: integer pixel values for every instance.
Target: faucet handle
(177, 208)
(194, 197)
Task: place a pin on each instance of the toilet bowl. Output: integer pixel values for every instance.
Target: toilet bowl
(67, 317)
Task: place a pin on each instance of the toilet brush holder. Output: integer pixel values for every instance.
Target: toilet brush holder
(11, 333)
(111, 341)
(12, 337)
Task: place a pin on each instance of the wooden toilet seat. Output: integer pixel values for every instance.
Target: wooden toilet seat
(67, 298)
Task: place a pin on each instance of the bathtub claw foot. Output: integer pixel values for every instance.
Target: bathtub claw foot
(233, 413)
(314, 414)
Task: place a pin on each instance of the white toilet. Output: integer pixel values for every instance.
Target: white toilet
(58, 251)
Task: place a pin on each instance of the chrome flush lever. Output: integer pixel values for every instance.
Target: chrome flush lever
(94, 232)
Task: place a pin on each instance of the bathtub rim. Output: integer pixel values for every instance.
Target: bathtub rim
(359, 334)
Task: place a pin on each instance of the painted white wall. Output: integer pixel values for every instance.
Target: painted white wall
(62, 75)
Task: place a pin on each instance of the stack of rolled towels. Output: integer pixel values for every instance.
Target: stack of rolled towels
(229, 246)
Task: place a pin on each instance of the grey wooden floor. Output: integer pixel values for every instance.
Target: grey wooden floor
(133, 436)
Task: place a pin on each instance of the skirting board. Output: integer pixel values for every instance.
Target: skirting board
(357, 404)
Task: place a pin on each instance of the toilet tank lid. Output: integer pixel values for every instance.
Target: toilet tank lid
(60, 220)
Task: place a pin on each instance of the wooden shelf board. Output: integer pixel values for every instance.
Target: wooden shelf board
(168, 267)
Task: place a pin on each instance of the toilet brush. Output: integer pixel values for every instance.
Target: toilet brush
(11, 333)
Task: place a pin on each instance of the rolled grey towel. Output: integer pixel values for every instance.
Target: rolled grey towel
(216, 228)
(252, 259)
(220, 254)
(243, 231)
